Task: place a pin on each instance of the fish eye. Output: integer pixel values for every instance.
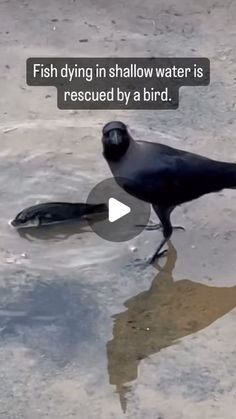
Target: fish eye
(21, 218)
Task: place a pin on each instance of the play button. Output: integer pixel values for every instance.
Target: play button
(126, 216)
(116, 210)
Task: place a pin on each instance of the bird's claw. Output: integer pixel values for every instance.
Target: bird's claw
(157, 256)
(179, 228)
(151, 227)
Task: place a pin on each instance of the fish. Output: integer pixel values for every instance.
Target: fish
(55, 212)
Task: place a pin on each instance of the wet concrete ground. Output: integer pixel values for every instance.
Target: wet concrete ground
(86, 330)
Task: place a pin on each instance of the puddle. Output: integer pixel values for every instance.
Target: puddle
(83, 315)
(158, 318)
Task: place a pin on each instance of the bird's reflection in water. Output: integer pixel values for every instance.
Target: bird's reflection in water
(157, 318)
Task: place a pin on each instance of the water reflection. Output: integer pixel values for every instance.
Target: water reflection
(157, 318)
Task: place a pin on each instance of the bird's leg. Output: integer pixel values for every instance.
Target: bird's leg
(175, 227)
(164, 215)
(153, 226)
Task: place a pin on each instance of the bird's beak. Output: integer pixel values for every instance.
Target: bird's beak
(115, 137)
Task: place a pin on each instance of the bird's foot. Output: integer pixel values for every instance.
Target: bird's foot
(157, 256)
(151, 227)
(178, 228)
(142, 264)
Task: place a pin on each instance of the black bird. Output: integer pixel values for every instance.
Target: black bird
(162, 175)
(55, 212)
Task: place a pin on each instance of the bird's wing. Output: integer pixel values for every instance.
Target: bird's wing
(171, 179)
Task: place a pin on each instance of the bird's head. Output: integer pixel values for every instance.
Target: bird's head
(115, 140)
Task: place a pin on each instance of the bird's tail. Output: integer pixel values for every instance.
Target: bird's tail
(228, 175)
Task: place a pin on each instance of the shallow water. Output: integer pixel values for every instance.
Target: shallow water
(84, 314)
